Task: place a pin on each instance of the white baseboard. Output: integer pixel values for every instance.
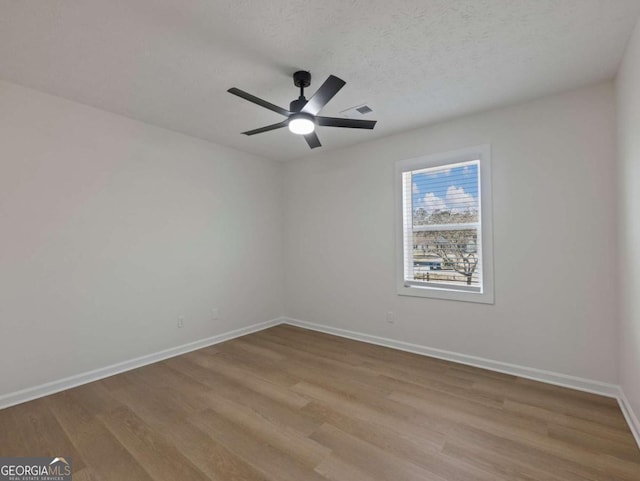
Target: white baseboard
(53, 387)
(629, 415)
(564, 380)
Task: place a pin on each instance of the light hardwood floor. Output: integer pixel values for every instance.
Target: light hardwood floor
(288, 404)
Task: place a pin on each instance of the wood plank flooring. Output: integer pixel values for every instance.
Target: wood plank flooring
(288, 404)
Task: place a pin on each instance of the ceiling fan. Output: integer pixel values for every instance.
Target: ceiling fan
(302, 116)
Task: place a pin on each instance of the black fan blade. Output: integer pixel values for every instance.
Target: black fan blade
(279, 125)
(349, 123)
(327, 90)
(313, 140)
(260, 102)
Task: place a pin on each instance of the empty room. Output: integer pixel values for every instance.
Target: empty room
(287, 240)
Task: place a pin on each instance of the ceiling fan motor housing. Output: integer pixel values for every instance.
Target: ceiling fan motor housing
(296, 105)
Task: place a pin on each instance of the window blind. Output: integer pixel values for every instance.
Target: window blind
(442, 227)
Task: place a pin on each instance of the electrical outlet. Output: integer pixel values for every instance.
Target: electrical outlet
(180, 322)
(215, 314)
(391, 317)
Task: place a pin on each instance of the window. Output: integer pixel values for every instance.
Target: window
(444, 237)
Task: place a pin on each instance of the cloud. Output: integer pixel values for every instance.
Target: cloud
(458, 200)
(432, 203)
(415, 188)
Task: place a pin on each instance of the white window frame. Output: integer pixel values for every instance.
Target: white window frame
(485, 295)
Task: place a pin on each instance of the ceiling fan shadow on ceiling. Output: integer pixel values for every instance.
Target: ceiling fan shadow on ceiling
(302, 116)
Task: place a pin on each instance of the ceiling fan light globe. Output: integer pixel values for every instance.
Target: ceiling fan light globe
(301, 125)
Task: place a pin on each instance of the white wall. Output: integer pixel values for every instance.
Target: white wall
(628, 90)
(111, 228)
(554, 197)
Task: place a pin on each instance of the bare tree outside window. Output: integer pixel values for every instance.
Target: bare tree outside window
(458, 249)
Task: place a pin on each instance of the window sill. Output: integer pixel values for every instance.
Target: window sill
(446, 294)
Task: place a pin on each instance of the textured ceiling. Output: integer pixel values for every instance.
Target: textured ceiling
(170, 62)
